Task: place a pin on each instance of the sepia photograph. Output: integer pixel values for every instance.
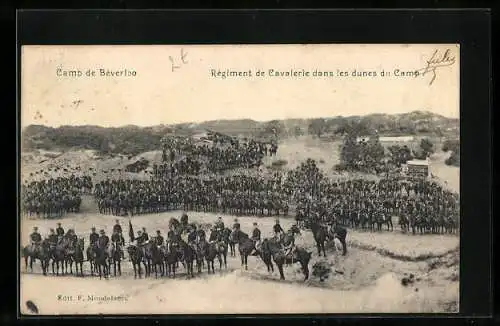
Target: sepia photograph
(239, 179)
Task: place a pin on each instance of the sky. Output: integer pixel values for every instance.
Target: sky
(191, 90)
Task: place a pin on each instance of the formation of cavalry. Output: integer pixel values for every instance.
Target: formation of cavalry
(186, 244)
(191, 179)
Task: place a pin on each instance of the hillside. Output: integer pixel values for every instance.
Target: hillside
(132, 140)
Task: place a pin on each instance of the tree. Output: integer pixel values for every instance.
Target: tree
(349, 152)
(273, 128)
(399, 154)
(317, 127)
(451, 145)
(427, 147)
(298, 131)
(375, 149)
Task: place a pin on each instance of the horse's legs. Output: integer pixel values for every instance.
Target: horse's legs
(318, 246)
(280, 268)
(246, 261)
(120, 268)
(305, 270)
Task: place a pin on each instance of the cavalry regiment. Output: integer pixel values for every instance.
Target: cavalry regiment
(185, 243)
(193, 177)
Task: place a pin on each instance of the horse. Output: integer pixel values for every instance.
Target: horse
(41, 252)
(115, 257)
(188, 256)
(221, 245)
(70, 252)
(136, 257)
(384, 218)
(245, 246)
(59, 256)
(404, 223)
(91, 259)
(171, 255)
(101, 261)
(320, 234)
(153, 258)
(228, 238)
(78, 255)
(273, 248)
(340, 233)
(209, 251)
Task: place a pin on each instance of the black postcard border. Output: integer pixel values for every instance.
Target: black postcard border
(470, 28)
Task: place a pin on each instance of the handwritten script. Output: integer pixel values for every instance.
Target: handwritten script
(182, 60)
(437, 60)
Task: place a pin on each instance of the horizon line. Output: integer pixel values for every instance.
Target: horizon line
(239, 119)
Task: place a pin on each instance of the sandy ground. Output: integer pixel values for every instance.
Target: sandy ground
(362, 281)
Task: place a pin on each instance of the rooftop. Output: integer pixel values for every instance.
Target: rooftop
(418, 162)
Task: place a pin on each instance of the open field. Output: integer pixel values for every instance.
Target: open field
(367, 279)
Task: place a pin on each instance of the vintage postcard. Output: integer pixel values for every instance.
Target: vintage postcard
(238, 179)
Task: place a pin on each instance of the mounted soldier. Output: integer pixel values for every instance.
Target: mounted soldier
(118, 228)
(184, 220)
(256, 235)
(72, 238)
(116, 239)
(145, 234)
(59, 230)
(159, 239)
(35, 238)
(103, 240)
(278, 231)
(52, 238)
(219, 225)
(93, 238)
(236, 225)
(192, 236)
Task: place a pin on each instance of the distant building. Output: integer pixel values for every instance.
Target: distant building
(387, 139)
(363, 139)
(398, 139)
(417, 168)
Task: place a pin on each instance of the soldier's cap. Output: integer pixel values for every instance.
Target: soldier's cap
(254, 223)
(92, 228)
(117, 221)
(35, 228)
(144, 228)
(51, 230)
(102, 231)
(157, 231)
(58, 223)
